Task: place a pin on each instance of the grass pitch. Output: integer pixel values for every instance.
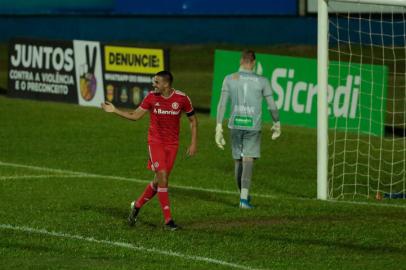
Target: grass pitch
(69, 173)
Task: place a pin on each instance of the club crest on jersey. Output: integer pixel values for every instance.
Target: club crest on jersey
(175, 105)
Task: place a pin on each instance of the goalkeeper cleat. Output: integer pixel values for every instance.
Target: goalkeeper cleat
(245, 204)
(132, 218)
(171, 226)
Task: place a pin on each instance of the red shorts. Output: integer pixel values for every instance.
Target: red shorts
(162, 157)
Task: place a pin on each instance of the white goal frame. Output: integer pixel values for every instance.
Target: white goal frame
(322, 82)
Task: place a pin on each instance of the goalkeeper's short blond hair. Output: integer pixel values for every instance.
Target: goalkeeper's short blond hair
(248, 56)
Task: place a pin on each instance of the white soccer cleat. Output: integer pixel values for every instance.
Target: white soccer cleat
(132, 218)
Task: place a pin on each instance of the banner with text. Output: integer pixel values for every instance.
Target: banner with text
(128, 72)
(83, 72)
(358, 91)
(42, 70)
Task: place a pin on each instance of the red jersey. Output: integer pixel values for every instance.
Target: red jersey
(165, 113)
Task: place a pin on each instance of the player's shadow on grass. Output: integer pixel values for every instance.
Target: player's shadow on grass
(231, 200)
(115, 212)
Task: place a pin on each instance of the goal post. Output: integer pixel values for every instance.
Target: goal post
(322, 112)
(367, 165)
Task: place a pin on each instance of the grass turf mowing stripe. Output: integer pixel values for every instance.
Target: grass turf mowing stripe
(125, 245)
(119, 178)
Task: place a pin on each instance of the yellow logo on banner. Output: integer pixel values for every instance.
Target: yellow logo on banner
(133, 60)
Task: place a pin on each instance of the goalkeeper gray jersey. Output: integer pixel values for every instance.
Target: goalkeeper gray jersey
(245, 89)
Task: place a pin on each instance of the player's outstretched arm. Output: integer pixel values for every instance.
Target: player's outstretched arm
(134, 115)
(193, 128)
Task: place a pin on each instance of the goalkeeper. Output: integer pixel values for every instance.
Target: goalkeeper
(245, 89)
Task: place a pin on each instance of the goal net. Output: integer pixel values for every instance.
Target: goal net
(366, 99)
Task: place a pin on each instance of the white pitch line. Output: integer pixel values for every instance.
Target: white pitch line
(126, 245)
(369, 203)
(261, 195)
(16, 177)
(82, 174)
(36, 168)
(119, 178)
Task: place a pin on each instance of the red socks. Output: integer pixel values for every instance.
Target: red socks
(163, 197)
(164, 201)
(149, 192)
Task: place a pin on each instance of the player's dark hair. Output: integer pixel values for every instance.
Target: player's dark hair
(166, 75)
(248, 55)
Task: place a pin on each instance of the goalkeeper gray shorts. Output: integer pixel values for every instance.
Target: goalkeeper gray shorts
(245, 143)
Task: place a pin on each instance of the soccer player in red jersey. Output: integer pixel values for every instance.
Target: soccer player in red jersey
(165, 106)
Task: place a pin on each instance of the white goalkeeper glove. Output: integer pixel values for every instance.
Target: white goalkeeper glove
(219, 137)
(276, 130)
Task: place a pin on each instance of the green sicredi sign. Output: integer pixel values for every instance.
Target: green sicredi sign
(356, 93)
